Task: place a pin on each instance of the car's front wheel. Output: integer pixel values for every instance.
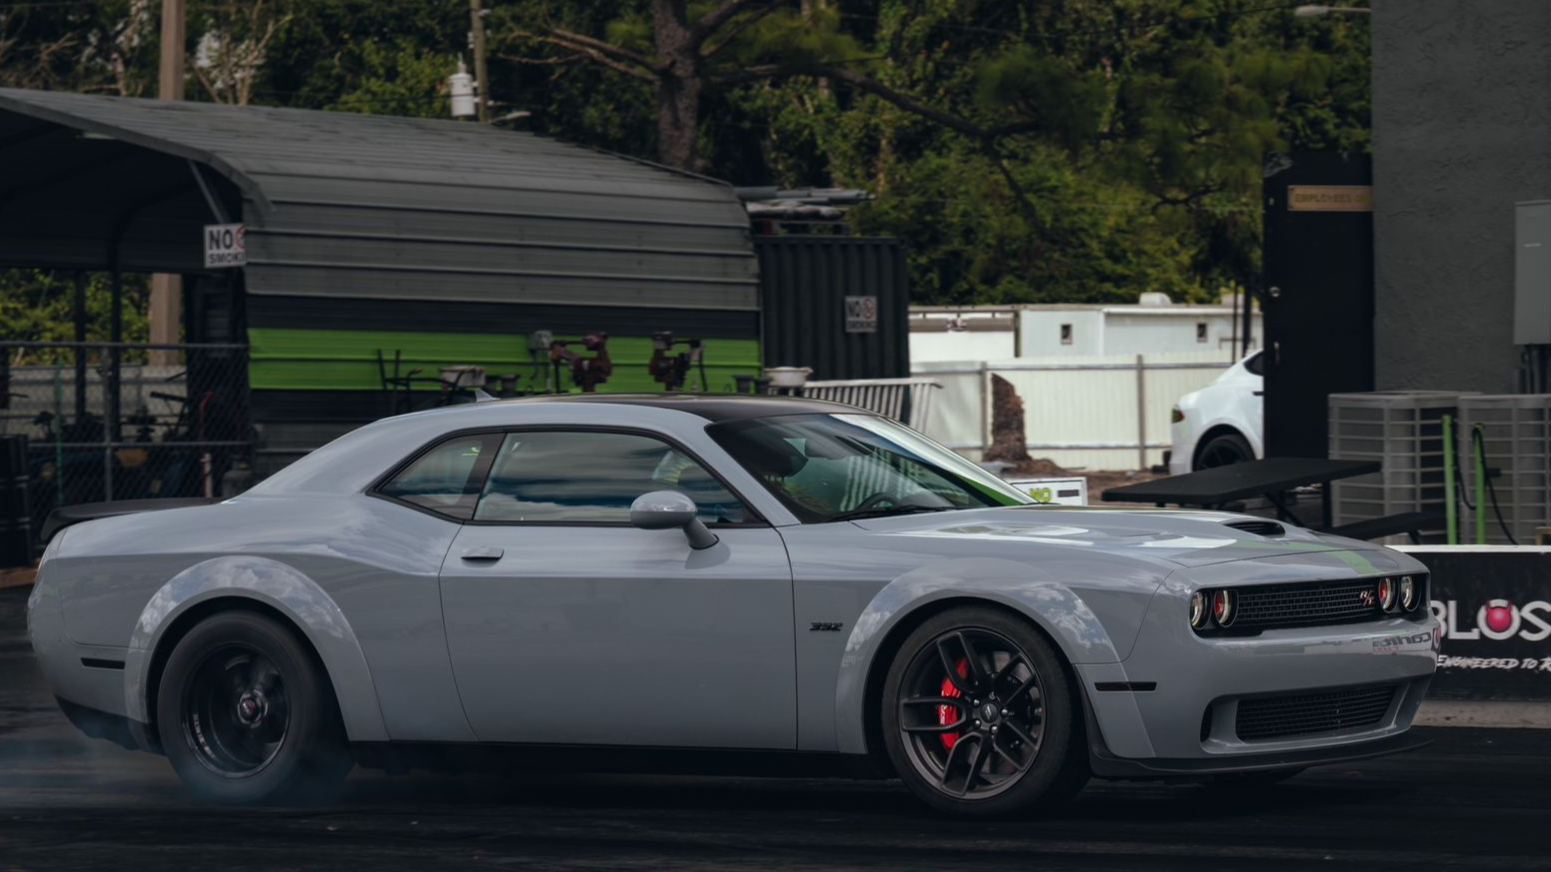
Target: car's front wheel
(978, 716)
(245, 715)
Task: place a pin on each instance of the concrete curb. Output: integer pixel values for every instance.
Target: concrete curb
(1505, 715)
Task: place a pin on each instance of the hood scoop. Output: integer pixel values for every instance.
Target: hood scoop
(1269, 529)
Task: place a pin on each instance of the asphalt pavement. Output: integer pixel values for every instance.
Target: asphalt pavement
(1476, 799)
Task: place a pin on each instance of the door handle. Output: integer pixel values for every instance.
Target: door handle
(483, 553)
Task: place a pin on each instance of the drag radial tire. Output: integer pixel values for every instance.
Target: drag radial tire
(246, 715)
(979, 718)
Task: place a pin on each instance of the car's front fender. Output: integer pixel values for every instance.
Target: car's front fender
(282, 588)
(1088, 625)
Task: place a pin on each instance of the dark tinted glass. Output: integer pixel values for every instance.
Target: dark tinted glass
(1256, 364)
(588, 477)
(447, 478)
(826, 467)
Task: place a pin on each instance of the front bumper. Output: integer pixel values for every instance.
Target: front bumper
(1182, 453)
(1173, 706)
(1104, 764)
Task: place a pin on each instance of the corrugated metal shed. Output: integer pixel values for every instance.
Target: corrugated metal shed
(807, 280)
(364, 207)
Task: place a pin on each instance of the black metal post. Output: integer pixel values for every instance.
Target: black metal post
(80, 353)
(1251, 291)
(115, 353)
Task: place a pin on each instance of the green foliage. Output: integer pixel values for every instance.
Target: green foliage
(39, 306)
(394, 79)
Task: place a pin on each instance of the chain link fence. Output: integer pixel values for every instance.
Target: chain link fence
(125, 421)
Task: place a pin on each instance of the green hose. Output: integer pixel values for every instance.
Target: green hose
(1478, 443)
(1451, 510)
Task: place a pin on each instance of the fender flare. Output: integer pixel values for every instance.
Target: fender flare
(1025, 589)
(287, 591)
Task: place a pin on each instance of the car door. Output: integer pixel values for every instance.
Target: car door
(567, 625)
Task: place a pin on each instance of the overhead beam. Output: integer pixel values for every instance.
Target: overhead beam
(211, 200)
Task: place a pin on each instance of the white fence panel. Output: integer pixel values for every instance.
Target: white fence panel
(957, 415)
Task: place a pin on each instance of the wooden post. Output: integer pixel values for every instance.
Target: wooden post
(166, 310)
(481, 68)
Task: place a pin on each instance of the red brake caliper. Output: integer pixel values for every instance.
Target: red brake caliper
(947, 714)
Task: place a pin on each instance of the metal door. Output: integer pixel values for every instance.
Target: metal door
(1317, 293)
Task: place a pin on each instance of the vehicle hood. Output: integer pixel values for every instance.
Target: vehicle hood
(1185, 538)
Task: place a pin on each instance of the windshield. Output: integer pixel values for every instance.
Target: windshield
(837, 467)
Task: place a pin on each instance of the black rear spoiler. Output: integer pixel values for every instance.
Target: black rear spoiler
(64, 516)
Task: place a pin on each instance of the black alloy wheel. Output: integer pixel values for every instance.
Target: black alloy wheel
(245, 713)
(978, 716)
(235, 712)
(1224, 449)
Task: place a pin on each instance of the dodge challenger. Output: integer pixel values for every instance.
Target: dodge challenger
(724, 584)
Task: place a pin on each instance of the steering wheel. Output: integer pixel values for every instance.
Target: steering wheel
(875, 499)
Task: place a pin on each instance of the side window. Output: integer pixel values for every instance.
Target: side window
(1256, 365)
(447, 478)
(592, 477)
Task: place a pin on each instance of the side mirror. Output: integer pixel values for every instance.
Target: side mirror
(666, 510)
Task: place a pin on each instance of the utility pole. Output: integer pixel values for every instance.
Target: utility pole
(481, 70)
(166, 289)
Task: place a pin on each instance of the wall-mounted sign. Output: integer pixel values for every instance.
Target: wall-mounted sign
(1329, 198)
(226, 245)
(861, 314)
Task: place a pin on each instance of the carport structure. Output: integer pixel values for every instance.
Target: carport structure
(443, 242)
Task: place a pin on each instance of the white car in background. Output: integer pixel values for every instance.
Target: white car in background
(1221, 423)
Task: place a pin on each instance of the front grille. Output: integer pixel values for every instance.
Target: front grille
(1308, 604)
(1277, 717)
(1270, 529)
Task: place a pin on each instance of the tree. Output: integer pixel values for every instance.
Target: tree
(683, 52)
(232, 46)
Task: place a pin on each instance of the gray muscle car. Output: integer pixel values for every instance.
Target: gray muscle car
(722, 584)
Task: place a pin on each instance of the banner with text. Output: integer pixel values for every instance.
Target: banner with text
(1495, 607)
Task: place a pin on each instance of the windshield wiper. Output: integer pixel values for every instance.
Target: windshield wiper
(859, 514)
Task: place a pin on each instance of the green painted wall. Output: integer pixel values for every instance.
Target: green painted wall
(287, 359)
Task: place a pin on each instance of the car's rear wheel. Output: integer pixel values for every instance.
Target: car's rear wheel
(245, 715)
(1224, 449)
(979, 718)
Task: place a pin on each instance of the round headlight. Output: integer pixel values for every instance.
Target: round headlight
(1387, 594)
(1222, 608)
(1198, 610)
(1407, 593)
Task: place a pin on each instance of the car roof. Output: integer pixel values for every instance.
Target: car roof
(711, 407)
(355, 459)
